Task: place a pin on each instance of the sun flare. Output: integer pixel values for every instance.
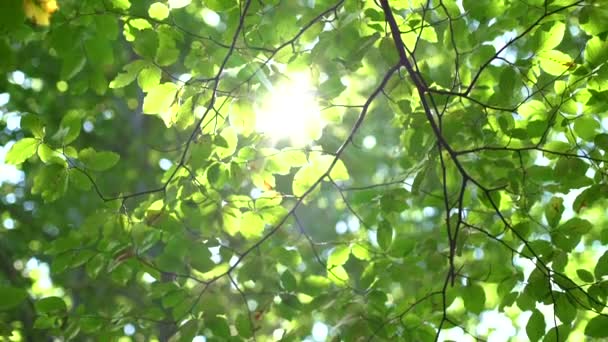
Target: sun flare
(290, 111)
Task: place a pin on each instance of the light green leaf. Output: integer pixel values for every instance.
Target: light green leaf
(21, 150)
(360, 252)
(317, 166)
(242, 118)
(125, 78)
(149, 77)
(48, 156)
(593, 19)
(158, 11)
(338, 256)
(11, 297)
(251, 225)
(98, 161)
(229, 141)
(596, 51)
(337, 275)
(160, 98)
(551, 38)
(121, 4)
(555, 62)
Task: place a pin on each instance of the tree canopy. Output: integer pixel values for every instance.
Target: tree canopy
(344, 170)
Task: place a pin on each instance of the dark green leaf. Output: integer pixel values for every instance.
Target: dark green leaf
(11, 297)
(535, 328)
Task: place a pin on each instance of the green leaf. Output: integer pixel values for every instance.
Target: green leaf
(601, 141)
(11, 297)
(21, 151)
(585, 275)
(565, 310)
(69, 128)
(589, 196)
(167, 52)
(99, 52)
(288, 281)
(601, 267)
(474, 298)
(98, 161)
(34, 124)
(554, 210)
(243, 326)
(562, 331)
(219, 326)
(158, 11)
(160, 98)
(146, 42)
(131, 71)
(50, 305)
(384, 235)
(51, 182)
(575, 226)
(73, 62)
(596, 51)
(596, 327)
(586, 127)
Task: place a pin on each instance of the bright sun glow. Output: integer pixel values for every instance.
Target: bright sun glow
(291, 111)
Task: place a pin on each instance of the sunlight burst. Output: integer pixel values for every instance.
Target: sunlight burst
(291, 111)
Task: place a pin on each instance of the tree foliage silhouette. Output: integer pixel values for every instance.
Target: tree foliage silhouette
(453, 168)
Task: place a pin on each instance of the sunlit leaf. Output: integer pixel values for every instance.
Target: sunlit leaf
(158, 11)
(21, 150)
(98, 161)
(160, 98)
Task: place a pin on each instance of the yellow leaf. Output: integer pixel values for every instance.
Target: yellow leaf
(39, 11)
